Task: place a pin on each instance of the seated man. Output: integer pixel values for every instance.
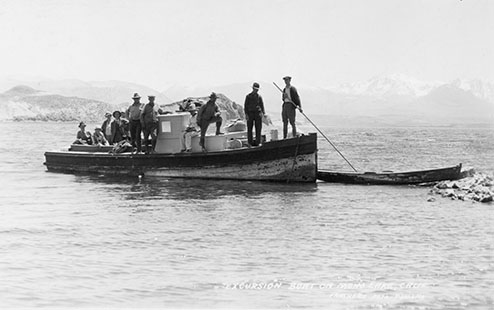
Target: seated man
(83, 137)
(209, 113)
(99, 137)
(192, 130)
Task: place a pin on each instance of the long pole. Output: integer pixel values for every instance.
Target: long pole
(300, 110)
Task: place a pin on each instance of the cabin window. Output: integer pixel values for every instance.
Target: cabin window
(166, 126)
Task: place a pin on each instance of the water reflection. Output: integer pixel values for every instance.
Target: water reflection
(134, 188)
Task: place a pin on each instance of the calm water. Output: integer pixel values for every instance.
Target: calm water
(91, 241)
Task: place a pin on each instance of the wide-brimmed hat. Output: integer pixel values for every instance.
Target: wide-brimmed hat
(119, 113)
(82, 124)
(136, 96)
(107, 114)
(287, 77)
(192, 107)
(213, 95)
(255, 85)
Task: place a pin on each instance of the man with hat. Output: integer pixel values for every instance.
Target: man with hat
(254, 111)
(118, 128)
(291, 102)
(106, 126)
(149, 123)
(209, 113)
(191, 130)
(99, 137)
(134, 116)
(83, 136)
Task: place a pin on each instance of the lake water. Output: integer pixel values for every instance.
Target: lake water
(93, 241)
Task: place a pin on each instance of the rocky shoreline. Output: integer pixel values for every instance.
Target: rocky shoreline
(474, 186)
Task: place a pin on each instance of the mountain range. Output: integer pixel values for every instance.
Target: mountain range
(382, 100)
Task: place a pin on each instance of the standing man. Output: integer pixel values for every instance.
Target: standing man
(106, 126)
(149, 123)
(209, 113)
(254, 111)
(291, 102)
(134, 117)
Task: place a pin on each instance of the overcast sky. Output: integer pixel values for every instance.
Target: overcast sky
(197, 42)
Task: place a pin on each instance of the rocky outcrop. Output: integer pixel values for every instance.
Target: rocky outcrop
(233, 110)
(474, 186)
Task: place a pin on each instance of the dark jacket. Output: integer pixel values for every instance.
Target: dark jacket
(253, 104)
(118, 131)
(207, 112)
(294, 95)
(148, 115)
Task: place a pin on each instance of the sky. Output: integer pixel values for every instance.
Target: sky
(159, 43)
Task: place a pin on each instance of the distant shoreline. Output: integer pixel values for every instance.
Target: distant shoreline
(327, 121)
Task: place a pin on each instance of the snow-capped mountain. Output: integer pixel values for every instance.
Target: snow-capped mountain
(481, 89)
(389, 85)
(405, 86)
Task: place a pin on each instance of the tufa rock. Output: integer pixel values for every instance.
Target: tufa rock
(475, 187)
(233, 110)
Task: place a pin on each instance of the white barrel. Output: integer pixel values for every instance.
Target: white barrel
(274, 134)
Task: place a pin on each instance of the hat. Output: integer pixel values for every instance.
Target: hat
(107, 114)
(119, 113)
(97, 128)
(151, 97)
(213, 94)
(255, 85)
(136, 96)
(287, 77)
(82, 124)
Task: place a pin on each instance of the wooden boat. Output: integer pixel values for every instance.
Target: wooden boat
(392, 178)
(289, 160)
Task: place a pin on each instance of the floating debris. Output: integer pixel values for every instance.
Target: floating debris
(473, 186)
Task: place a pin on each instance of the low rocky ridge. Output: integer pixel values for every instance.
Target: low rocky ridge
(474, 186)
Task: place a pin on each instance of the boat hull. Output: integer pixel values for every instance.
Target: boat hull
(392, 178)
(290, 160)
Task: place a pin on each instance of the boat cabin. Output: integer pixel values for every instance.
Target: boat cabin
(171, 129)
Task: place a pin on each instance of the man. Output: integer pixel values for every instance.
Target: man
(254, 111)
(209, 113)
(291, 102)
(106, 126)
(192, 129)
(134, 116)
(149, 123)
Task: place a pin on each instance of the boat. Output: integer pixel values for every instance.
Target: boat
(391, 178)
(288, 160)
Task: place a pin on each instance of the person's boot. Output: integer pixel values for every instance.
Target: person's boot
(218, 132)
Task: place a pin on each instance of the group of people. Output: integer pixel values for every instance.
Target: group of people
(126, 126)
(140, 118)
